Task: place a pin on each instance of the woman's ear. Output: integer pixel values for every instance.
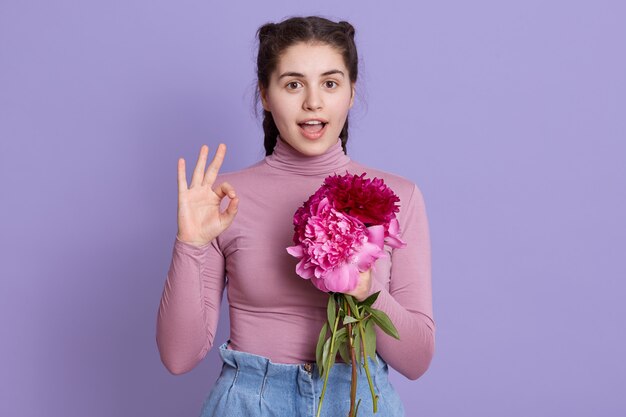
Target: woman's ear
(263, 94)
(352, 94)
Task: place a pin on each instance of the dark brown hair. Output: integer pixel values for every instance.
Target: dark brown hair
(274, 38)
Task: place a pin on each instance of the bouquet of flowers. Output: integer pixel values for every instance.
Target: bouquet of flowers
(339, 232)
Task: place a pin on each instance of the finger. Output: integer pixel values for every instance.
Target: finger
(182, 180)
(199, 170)
(225, 189)
(215, 165)
(229, 214)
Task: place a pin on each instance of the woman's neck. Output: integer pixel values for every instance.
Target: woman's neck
(285, 157)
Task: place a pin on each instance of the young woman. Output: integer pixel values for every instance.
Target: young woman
(307, 70)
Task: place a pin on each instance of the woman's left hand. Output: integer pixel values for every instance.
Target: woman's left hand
(363, 287)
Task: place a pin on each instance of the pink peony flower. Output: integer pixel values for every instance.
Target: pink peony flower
(341, 230)
(305, 211)
(334, 249)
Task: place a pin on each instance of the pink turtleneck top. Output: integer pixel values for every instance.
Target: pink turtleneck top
(273, 312)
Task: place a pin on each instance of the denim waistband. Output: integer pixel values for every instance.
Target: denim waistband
(253, 385)
(256, 364)
(262, 366)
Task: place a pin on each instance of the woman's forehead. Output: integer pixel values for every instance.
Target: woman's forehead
(310, 59)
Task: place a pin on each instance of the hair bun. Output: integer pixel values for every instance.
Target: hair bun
(266, 30)
(347, 28)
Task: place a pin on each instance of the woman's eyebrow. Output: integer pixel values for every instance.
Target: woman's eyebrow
(297, 74)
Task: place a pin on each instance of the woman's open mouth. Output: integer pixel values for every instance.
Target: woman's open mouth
(313, 129)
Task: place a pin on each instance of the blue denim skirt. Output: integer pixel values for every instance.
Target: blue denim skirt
(252, 386)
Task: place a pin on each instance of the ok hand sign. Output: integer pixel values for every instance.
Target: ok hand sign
(199, 217)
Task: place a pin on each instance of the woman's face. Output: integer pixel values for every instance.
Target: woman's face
(310, 83)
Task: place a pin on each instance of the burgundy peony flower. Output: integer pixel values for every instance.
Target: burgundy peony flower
(369, 200)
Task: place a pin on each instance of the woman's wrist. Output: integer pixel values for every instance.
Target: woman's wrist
(193, 243)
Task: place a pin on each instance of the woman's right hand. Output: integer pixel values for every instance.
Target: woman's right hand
(199, 217)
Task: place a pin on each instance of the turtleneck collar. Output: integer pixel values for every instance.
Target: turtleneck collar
(287, 158)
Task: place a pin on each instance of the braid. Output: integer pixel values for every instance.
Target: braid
(271, 132)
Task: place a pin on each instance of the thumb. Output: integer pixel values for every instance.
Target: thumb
(228, 215)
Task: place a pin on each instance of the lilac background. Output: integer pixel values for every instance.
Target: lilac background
(510, 116)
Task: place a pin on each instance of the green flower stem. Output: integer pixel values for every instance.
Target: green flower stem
(367, 369)
(330, 353)
(353, 360)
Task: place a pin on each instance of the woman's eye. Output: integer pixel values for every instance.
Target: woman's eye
(293, 85)
(331, 84)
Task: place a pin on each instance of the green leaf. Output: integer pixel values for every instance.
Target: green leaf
(353, 308)
(320, 344)
(333, 354)
(381, 318)
(330, 310)
(370, 340)
(343, 351)
(340, 336)
(371, 299)
(349, 319)
(325, 351)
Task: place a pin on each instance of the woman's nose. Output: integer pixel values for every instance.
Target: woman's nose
(312, 100)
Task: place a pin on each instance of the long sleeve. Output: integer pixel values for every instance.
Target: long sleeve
(408, 303)
(273, 312)
(190, 305)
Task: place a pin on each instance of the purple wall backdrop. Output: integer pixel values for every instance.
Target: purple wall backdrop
(510, 117)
